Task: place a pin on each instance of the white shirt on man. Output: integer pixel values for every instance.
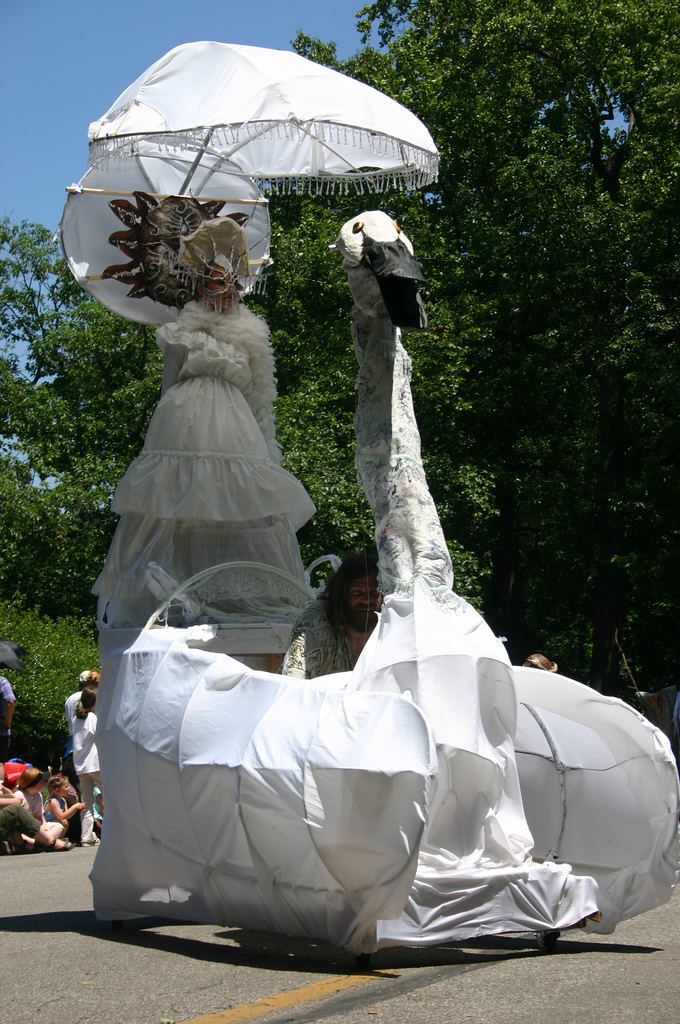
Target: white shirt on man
(72, 702)
(70, 709)
(85, 755)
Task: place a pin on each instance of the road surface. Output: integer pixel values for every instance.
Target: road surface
(61, 966)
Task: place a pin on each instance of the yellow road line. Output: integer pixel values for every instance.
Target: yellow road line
(295, 997)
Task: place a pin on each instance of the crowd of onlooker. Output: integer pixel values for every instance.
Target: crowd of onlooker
(40, 811)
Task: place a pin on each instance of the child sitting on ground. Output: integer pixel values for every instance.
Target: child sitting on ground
(29, 791)
(56, 806)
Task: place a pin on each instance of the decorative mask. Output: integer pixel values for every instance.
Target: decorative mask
(176, 245)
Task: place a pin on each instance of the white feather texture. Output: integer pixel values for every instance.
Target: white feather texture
(247, 334)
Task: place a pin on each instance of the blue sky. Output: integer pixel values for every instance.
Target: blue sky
(62, 64)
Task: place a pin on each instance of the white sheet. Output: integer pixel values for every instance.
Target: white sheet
(600, 791)
(370, 809)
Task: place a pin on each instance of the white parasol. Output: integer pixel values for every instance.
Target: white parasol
(88, 221)
(281, 119)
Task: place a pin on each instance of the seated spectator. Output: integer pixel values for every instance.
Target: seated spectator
(19, 830)
(12, 770)
(29, 791)
(56, 806)
(8, 793)
(9, 798)
(74, 832)
(86, 761)
(98, 811)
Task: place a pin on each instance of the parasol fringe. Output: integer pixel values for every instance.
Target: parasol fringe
(415, 167)
(374, 181)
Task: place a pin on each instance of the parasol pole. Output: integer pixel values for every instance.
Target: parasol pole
(197, 160)
(234, 149)
(322, 142)
(163, 195)
(240, 145)
(143, 170)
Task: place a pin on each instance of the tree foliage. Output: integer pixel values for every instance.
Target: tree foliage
(77, 388)
(554, 270)
(58, 651)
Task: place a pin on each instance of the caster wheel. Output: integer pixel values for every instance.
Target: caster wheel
(547, 941)
(117, 925)
(363, 960)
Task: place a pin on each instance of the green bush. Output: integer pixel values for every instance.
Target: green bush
(58, 651)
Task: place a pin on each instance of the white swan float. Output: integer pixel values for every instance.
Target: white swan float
(431, 795)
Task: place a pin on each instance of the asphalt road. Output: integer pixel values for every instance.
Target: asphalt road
(61, 966)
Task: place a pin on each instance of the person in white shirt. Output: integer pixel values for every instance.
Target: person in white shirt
(86, 760)
(89, 677)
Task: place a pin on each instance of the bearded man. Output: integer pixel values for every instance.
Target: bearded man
(330, 635)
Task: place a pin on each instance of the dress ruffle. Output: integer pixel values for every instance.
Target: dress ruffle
(205, 458)
(184, 548)
(211, 486)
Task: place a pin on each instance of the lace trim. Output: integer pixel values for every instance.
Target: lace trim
(414, 167)
(186, 453)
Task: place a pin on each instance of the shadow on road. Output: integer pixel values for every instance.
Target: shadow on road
(83, 922)
(273, 952)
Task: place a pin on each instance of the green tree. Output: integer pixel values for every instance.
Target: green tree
(551, 247)
(77, 388)
(58, 651)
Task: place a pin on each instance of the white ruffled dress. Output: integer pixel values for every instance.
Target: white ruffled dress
(208, 486)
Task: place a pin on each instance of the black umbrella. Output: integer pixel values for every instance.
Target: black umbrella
(11, 655)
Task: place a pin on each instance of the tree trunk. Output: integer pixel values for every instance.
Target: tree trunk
(609, 600)
(507, 614)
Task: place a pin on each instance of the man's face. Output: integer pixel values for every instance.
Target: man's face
(364, 601)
